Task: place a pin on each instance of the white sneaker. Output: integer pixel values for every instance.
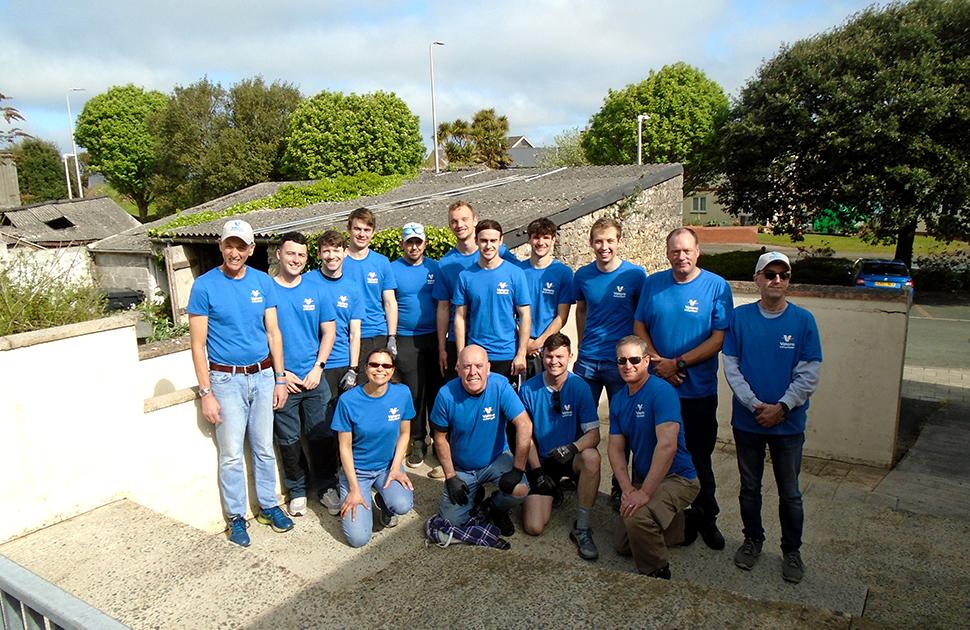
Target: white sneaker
(297, 506)
(437, 472)
(331, 501)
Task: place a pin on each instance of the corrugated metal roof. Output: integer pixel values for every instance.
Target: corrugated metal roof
(89, 220)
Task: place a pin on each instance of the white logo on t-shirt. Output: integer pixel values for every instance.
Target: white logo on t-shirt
(342, 302)
(639, 412)
(430, 278)
(549, 289)
(567, 410)
(619, 293)
(372, 278)
(487, 414)
(256, 298)
(503, 289)
(393, 415)
(691, 306)
(786, 343)
(308, 304)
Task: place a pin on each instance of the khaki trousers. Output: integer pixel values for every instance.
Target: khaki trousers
(657, 525)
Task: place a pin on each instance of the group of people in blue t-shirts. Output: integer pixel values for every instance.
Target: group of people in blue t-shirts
(350, 368)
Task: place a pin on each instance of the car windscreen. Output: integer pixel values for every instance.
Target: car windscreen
(884, 269)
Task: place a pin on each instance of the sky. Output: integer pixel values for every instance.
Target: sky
(547, 65)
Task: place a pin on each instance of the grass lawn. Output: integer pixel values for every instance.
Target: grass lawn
(922, 246)
(124, 201)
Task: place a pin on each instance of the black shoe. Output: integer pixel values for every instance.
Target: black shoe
(557, 497)
(616, 497)
(663, 573)
(502, 520)
(712, 536)
(690, 528)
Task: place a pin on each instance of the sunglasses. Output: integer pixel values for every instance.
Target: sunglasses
(556, 401)
(771, 275)
(632, 360)
(375, 365)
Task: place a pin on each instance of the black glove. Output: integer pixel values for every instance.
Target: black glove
(541, 482)
(348, 380)
(509, 480)
(457, 490)
(564, 453)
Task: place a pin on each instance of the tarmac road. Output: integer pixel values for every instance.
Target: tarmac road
(939, 332)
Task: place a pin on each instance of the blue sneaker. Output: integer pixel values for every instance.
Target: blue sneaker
(237, 531)
(275, 518)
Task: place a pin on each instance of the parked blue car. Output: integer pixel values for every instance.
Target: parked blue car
(875, 273)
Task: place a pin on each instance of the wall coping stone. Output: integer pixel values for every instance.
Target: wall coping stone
(162, 348)
(830, 292)
(56, 333)
(171, 399)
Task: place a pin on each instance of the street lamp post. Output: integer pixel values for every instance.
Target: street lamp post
(67, 175)
(640, 119)
(70, 120)
(434, 107)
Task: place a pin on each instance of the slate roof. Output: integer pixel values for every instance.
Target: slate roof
(58, 223)
(512, 197)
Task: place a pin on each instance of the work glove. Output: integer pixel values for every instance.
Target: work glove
(392, 346)
(457, 490)
(508, 481)
(541, 482)
(564, 453)
(348, 380)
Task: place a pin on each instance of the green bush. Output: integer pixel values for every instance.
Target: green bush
(159, 315)
(340, 188)
(388, 242)
(942, 272)
(36, 295)
(810, 269)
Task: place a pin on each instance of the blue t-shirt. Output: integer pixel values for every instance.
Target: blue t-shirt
(491, 297)
(577, 413)
(450, 267)
(611, 299)
(374, 276)
(476, 424)
(301, 310)
(235, 308)
(416, 308)
(348, 304)
(548, 288)
(637, 417)
(679, 317)
(374, 422)
(768, 351)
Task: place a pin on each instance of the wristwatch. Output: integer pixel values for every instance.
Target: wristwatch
(784, 408)
(681, 364)
(204, 391)
(323, 365)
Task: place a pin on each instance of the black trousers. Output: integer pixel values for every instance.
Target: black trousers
(700, 434)
(367, 345)
(417, 367)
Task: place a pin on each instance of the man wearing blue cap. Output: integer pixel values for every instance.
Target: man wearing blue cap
(237, 351)
(417, 361)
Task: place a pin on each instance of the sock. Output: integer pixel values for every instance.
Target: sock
(582, 518)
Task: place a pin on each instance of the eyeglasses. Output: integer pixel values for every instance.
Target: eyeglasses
(375, 365)
(632, 360)
(556, 401)
(771, 275)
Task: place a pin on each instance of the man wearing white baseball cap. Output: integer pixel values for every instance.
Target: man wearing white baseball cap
(772, 356)
(236, 350)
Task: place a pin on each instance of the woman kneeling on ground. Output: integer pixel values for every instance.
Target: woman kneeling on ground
(373, 425)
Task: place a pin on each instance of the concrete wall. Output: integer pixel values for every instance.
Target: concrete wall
(854, 415)
(130, 271)
(72, 264)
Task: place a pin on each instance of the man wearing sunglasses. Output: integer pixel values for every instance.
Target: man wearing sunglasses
(566, 432)
(772, 356)
(645, 418)
(682, 315)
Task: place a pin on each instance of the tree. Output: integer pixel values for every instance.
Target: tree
(871, 117)
(568, 150)
(686, 111)
(213, 142)
(114, 128)
(338, 134)
(40, 171)
(10, 114)
(481, 142)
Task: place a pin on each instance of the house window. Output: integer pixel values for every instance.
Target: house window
(700, 205)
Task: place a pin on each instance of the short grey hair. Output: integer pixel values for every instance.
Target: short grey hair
(630, 340)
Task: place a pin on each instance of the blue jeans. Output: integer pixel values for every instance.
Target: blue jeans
(459, 514)
(305, 413)
(599, 375)
(786, 460)
(246, 409)
(397, 498)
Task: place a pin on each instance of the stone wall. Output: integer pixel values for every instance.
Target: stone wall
(131, 271)
(69, 264)
(647, 218)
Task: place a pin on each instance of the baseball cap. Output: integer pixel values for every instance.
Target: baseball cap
(412, 230)
(769, 258)
(238, 228)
